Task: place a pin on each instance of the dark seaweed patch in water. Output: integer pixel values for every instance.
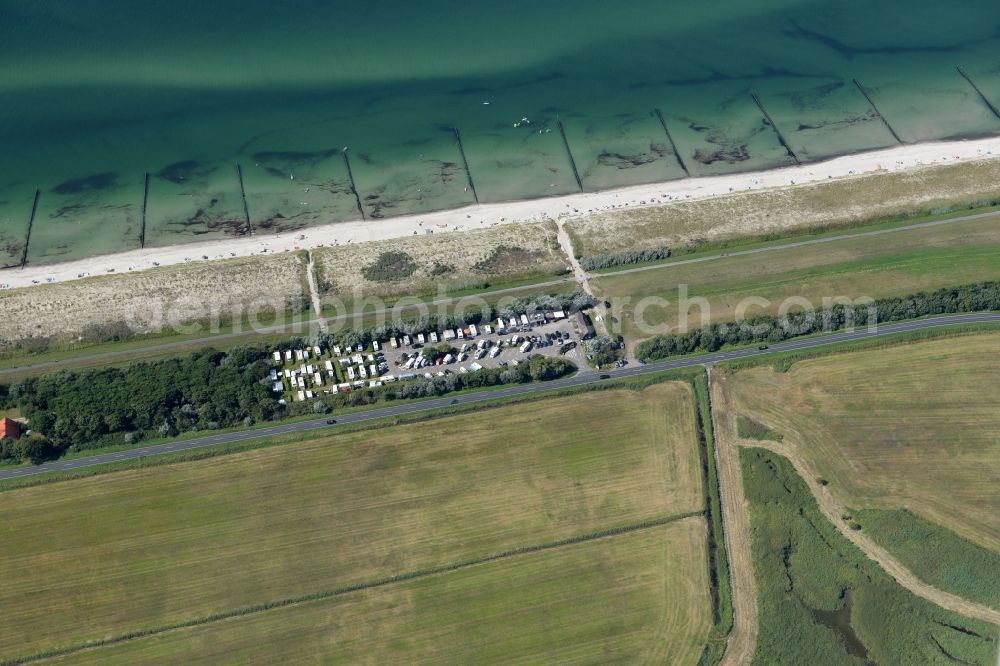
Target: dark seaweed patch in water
(810, 97)
(716, 76)
(805, 34)
(839, 622)
(447, 171)
(296, 156)
(206, 221)
(728, 154)
(185, 170)
(620, 161)
(417, 188)
(63, 211)
(478, 90)
(846, 122)
(99, 181)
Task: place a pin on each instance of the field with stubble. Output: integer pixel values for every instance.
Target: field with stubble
(602, 598)
(913, 426)
(784, 210)
(551, 519)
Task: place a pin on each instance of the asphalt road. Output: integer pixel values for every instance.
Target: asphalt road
(112, 356)
(581, 378)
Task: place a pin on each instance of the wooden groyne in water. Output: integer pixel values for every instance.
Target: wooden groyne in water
(468, 172)
(354, 189)
(31, 223)
(877, 112)
(774, 126)
(243, 194)
(569, 153)
(986, 100)
(145, 201)
(670, 138)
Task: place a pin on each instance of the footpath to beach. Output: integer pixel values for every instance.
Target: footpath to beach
(533, 210)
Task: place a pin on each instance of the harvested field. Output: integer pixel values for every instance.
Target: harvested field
(154, 299)
(780, 210)
(632, 598)
(148, 547)
(915, 425)
(452, 261)
(892, 264)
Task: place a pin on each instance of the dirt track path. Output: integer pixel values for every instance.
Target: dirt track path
(833, 510)
(314, 293)
(566, 243)
(736, 524)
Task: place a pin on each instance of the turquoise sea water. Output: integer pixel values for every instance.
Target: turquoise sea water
(96, 94)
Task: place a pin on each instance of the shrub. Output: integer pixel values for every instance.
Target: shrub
(504, 259)
(747, 428)
(599, 261)
(391, 266)
(602, 350)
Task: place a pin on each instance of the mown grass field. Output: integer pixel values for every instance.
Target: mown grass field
(822, 601)
(915, 425)
(126, 551)
(894, 264)
(599, 600)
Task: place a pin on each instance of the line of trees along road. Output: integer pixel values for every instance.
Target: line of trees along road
(980, 297)
(113, 406)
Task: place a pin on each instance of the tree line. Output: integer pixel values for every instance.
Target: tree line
(978, 297)
(87, 409)
(623, 258)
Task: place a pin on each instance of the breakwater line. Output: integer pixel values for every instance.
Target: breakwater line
(774, 126)
(243, 195)
(986, 100)
(670, 138)
(31, 223)
(145, 202)
(468, 172)
(569, 153)
(878, 113)
(354, 189)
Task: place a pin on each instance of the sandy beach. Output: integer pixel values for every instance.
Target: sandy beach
(482, 216)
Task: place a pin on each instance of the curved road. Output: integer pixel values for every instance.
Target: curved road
(583, 377)
(295, 327)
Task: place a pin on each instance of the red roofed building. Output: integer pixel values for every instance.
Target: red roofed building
(9, 428)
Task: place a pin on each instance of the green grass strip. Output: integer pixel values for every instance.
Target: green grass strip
(718, 557)
(339, 591)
